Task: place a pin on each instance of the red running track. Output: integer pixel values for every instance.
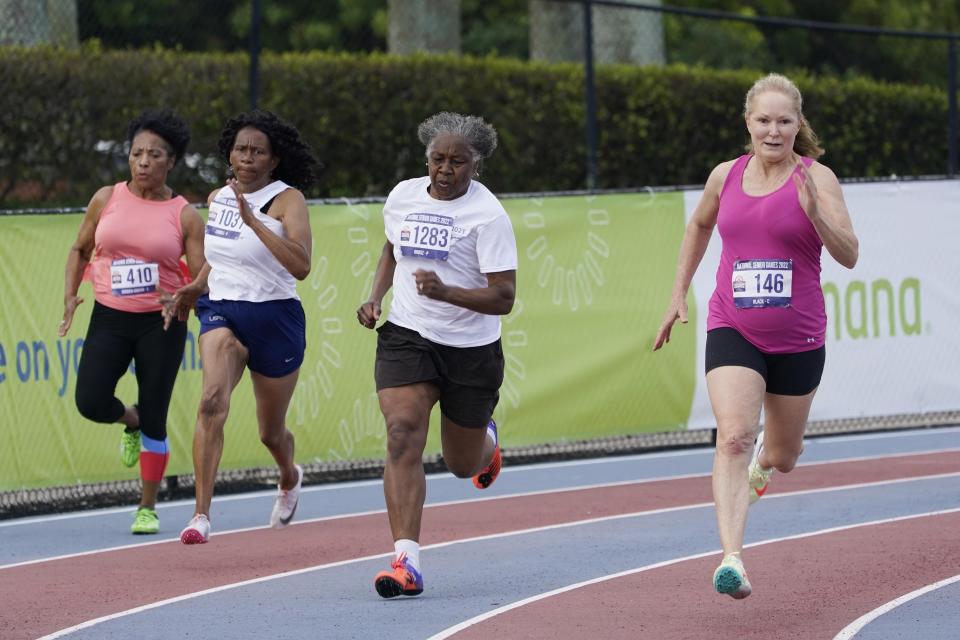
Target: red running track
(39, 599)
(806, 588)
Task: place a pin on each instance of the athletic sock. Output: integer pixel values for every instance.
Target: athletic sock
(409, 547)
(154, 456)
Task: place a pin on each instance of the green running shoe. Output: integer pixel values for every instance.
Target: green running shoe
(145, 521)
(129, 447)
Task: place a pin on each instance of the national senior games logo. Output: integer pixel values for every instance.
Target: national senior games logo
(739, 284)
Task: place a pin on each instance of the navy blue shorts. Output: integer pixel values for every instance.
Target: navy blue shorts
(274, 332)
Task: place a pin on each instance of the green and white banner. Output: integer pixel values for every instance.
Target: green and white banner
(594, 277)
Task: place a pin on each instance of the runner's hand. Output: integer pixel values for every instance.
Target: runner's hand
(429, 284)
(179, 304)
(368, 313)
(246, 213)
(70, 304)
(676, 311)
(807, 191)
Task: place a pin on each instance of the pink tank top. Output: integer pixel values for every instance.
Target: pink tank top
(138, 247)
(768, 281)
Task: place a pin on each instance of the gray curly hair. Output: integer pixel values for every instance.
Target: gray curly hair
(480, 135)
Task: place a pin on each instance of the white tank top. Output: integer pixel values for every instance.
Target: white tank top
(242, 267)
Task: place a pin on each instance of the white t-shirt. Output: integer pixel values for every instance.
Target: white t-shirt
(241, 266)
(461, 240)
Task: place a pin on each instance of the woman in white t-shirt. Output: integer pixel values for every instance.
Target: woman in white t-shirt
(451, 258)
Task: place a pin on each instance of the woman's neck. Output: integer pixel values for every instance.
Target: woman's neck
(775, 168)
(161, 192)
(252, 187)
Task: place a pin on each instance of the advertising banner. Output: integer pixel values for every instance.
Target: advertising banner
(593, 280)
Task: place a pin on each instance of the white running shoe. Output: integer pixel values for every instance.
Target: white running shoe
(757, 476)
(197, 530)
(286, 503)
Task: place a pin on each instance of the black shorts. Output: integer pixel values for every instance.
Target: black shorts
(786, 374)
(469, 378)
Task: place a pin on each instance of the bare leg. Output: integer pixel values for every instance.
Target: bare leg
(784, 420)
(736, 394)
(407, 413)
(148, 497)
(466, 450)
(273, 397)
(224, 358)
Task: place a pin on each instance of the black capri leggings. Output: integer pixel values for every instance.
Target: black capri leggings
(114, 338)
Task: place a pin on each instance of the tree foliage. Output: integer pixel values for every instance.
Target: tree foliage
(63, 118)
(726, 44)
(502, 28)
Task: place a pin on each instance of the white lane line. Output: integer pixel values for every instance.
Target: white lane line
(854, 627)
(494, 536)
(928, 431)
(446, 633)
(525, 494)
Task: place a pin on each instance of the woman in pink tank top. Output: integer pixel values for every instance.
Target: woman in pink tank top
(130, 243)
(775, 208)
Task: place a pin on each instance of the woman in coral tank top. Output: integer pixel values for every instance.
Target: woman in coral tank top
(132, 238)
(775, 208)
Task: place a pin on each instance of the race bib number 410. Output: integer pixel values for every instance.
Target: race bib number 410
(762, 283)
(426, 235)
(130, 277)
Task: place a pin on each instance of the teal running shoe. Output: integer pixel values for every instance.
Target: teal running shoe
(731, 578)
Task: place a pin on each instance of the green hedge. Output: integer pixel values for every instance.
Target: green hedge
(657, 126)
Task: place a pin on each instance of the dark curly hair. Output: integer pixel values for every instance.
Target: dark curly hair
(167, 125)
(297, 161)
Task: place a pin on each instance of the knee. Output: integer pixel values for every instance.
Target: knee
(459, 468)
(404, 440)
(213, 407)
(783, 460)
(88, 408)
(94, 407)
(733, 443)
(273, 438)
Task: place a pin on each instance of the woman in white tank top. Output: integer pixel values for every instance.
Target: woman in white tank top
(258, 244)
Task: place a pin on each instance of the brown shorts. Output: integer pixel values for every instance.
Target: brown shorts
(469, 378)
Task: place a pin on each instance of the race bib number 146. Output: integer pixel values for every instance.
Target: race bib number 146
(762, 283)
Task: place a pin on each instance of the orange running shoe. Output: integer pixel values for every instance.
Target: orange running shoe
(490, 472)
(403, 580)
